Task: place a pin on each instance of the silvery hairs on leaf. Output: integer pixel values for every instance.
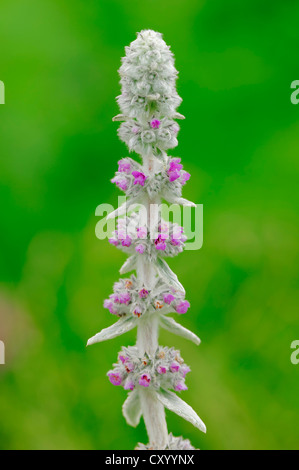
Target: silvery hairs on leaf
(151, 374)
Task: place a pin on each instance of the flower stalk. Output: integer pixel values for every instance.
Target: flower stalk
(149, 372)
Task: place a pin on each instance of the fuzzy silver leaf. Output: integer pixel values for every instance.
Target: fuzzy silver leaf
(132, 409)
(171, 325)
(119, 328)
(168, 275)
(174, 403)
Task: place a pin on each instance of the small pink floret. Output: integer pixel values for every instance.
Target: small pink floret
(185, 177)
(145, 380)
(129, 385)
(160, 244)
(175, 367)
(114, 377)
(124, 298)
(139, 177)
(182, 307)
(143, 293)
(155, 124)
(161, 370)
(180, 386)
(109, 305)
(140, 249)
(113, 241)
(185, 370)
(124, 166)
(141, 232)
(122, 358)
(126, 241)
(168, 298)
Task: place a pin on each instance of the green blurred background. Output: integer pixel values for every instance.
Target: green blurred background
(59, 148)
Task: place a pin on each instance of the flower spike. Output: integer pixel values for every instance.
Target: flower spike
(154, 376)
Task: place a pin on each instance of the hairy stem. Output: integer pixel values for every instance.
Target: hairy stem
(147, 339)
(154, 418)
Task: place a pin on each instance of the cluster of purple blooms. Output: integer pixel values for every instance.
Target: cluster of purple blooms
(130, 299)
(165, 370)
(175, 171)
(131, 178)
(168, 239)
(129, 174)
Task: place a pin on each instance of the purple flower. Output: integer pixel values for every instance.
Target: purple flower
(163, 227)
(121, 183)
(143, 293)
(124, 166)
(174, 366)
(125, 298)
(175, 164)
(139, 177)
(135, 130)
(160, 244)
(185, 177)
(180, 386)
(145, 380)
(168, 298)
(109, 304)
(184, 370)
(129, 385)
(113, 241)
(174, 171)
(173, 175)
(126, 241)
(161, 370)
(182, 307)
(141, 232)
(122, 358)
(163, 236)
(115, 298)
(129, 367)
(155, 124)
(178, 231)
(178, 236)
(114, 377)
(175, 241)
(140, 249)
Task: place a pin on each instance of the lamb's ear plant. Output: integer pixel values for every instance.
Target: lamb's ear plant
(150, 373)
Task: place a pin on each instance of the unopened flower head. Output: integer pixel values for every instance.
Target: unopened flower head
(148, 79)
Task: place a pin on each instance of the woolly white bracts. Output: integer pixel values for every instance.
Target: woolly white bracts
(145, 139)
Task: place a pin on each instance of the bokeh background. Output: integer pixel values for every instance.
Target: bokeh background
(59, 149)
